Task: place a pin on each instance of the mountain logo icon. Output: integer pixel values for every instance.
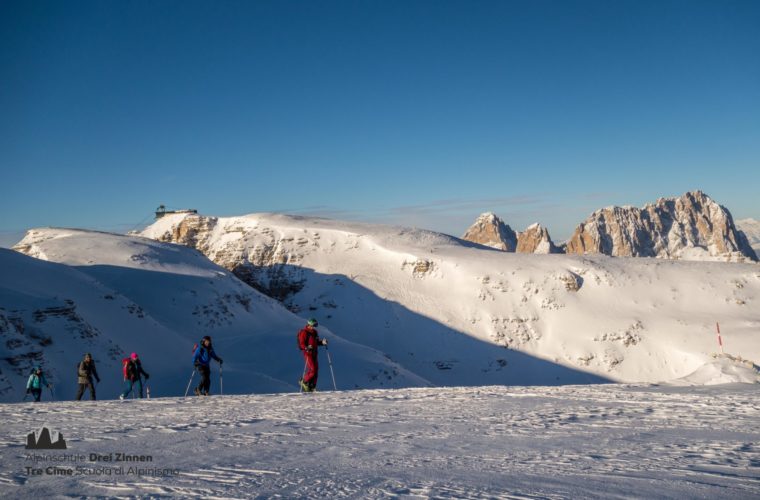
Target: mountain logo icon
(45, 439)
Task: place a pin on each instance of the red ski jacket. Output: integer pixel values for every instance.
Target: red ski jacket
(308, 337)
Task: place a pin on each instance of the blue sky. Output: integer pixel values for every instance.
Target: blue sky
(423, 113)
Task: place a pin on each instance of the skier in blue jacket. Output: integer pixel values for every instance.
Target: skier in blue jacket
(202, 357)
(36, 381)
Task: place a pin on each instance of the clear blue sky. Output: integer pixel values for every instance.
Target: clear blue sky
(415, 112)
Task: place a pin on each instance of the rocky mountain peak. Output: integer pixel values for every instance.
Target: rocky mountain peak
(691, 226)
(535, 239)
(490, 230)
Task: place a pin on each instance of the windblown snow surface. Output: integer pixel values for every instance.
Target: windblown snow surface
(594, 441)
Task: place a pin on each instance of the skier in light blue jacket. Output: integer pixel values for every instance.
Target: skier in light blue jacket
(36, 381)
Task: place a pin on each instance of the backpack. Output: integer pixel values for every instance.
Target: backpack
(125, 367)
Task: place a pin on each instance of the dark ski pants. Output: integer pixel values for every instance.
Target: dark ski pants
(129, 385)
(312, 368)
(205, 373)
(82, 387)
(36, 394)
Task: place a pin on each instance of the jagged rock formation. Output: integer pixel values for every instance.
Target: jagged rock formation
(491, 231)
(692, 226)
(535, 239)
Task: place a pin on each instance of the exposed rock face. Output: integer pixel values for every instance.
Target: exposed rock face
(692, 226)
(491, 231)
(535, 239)
(193, 231)
(268, 267)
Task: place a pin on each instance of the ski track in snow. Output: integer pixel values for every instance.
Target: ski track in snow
(604, 441)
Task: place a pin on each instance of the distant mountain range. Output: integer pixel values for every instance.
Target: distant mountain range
(690, 227)
(402, 307)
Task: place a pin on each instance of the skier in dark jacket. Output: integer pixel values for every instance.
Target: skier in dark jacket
(308, 341)
(133, 374)
(86, 372)
(202, 357)
(36, 381)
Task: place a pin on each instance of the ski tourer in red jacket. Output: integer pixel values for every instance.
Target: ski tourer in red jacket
(308, 342)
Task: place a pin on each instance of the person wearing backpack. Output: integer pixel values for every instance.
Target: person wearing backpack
(85, 373)
(202, 357)
(308, 342)
(36, 381)
(133, 374)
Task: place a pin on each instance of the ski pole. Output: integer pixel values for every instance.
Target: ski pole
(190, 382)
(52, 396)
(305, 364)
(329, 361)
(221, 381)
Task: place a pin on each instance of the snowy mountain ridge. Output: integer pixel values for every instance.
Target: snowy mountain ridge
(690, 227)
(112, 295)
(401, 291)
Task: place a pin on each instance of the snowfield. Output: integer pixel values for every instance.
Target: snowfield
(112, 295)
(596, 441)
(437, 304)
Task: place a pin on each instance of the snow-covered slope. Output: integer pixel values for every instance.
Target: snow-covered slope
(724, 369)
(112, 295)
(602, 441)
(440, 306)
(751, 229)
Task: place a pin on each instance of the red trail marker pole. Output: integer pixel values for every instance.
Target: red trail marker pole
(720, 340)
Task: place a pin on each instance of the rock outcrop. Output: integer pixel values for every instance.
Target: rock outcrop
(535, 239)
(692, 226)
(267, 266)
(491, 231)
